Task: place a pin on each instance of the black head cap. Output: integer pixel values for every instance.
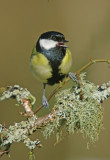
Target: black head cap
(56, 36)
(50, 34)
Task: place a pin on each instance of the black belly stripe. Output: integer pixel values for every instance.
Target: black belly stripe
(55, 79)
(55, 57)
(55, 61)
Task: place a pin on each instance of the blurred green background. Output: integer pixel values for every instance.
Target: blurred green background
(86, 24)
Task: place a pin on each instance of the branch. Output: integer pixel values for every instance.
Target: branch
(21, 131)
(68, 102)
(78, 108)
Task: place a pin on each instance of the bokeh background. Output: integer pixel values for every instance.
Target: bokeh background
(86, 24)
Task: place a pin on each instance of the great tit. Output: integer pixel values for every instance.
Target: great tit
(51, 60)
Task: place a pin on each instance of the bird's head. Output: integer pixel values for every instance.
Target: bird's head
(52, 39)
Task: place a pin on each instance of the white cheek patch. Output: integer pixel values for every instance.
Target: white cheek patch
(47, 43)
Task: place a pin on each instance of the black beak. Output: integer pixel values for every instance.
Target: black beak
(65, 41)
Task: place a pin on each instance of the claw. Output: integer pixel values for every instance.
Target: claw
(73, 77)
(45, 102)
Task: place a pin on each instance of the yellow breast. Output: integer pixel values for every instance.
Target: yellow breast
(66, 63)
(40, 67)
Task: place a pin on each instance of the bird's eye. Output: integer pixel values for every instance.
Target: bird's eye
(54, 38)
(60, 39)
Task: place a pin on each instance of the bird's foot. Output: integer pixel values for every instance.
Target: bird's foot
(73, 77)
(45, 102)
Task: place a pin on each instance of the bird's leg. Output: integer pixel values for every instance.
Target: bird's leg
(44, 99)
(73, 77)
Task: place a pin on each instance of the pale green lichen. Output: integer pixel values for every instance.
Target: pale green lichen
(18, 132)
(80, 109)
(77, 109)
(19, 93)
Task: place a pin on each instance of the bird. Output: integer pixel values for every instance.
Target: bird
(51, 60)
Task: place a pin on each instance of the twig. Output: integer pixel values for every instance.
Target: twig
(3, 152)
(92, 62)
(51, 95)
(68, 78)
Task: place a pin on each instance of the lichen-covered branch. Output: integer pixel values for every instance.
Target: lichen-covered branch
(21, 131)
(23, 97)
(77, 108)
